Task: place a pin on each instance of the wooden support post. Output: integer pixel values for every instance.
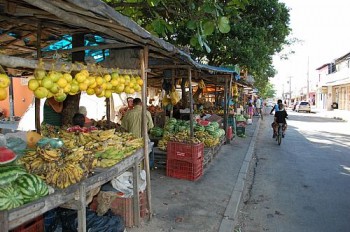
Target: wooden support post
(4, 221)
(108, 111)
(37, 100)
(82, 210)
(225, 107)
(191, 101)
(172, 83)
(144, 65)
(136, 196)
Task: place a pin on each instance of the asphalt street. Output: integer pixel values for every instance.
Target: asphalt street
(303, 184)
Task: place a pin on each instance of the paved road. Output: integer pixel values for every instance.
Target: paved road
(304, 184)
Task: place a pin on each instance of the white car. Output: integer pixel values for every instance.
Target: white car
(303, 106)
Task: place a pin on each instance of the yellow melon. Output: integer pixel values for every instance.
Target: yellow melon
(32, 138)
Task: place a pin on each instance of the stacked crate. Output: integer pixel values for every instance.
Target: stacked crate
(185, 160)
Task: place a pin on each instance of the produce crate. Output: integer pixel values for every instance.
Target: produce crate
(35, 225)
(124, 207)
(185, 170)
(241, 124)
(185, 151)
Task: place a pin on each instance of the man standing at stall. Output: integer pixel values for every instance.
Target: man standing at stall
(132, 121)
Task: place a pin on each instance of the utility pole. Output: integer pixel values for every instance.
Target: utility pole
(307, 84)
(290, 90)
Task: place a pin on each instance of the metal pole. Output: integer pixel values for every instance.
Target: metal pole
(307, 84)
(225, 107)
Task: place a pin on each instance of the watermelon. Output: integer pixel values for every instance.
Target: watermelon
(156, 131)
(32, 187)
(203, 122)
(6, 155)
(209, 128)
(10, 173)
(215, 125)
(199, 128)
(171, 120)
(10, 197)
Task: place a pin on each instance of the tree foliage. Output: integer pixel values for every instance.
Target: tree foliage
(224, 32)
(268, 91)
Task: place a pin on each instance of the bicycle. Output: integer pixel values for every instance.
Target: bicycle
(279, 133)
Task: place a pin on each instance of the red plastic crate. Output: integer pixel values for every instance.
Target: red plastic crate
(185, 151)
(184, 170)
(124, 207)
(35, 225)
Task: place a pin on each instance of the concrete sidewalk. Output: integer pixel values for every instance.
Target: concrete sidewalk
(209, 204)
(336, 113)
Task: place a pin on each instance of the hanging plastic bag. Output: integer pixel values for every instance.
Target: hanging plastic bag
(124, 183)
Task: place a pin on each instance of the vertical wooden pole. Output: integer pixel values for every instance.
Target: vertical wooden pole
(4, 221)
(191, 101)
(144, 66)
(37, 100)
(136, 195)
(108, 111)
(82, 208)
(226, 106)
(172, 83)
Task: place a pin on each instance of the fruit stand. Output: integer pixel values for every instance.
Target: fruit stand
(15, 217)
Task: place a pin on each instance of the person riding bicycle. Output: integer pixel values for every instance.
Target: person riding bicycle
(275, 107)
(280, 117)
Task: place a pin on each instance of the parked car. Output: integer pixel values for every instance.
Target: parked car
(303, 106)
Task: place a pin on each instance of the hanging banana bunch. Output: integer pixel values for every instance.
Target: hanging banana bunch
(201, 84)
(234, 90)
(174, 96)
(187, 84)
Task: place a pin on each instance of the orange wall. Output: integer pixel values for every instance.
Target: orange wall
(22, 98)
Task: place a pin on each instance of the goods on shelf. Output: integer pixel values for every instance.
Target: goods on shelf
(4, 84)
(68, 159)
(19, 187)
(179, 131)
(58, 85)
(6, 155)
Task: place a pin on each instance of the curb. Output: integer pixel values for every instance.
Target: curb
(228, 222)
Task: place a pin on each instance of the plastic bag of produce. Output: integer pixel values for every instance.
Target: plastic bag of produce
(124, 183)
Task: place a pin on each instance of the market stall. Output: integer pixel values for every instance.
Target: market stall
(30, 27)
(124, 49)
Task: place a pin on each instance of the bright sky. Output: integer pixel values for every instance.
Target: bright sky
(323, 27)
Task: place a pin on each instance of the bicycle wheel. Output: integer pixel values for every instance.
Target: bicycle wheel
(279, 135)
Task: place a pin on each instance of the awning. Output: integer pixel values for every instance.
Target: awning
(343, 81)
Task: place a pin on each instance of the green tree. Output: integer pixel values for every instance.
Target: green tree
(268, 91)
(182, 22)
(244, 32)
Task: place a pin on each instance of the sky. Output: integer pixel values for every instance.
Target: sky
(323, 28)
